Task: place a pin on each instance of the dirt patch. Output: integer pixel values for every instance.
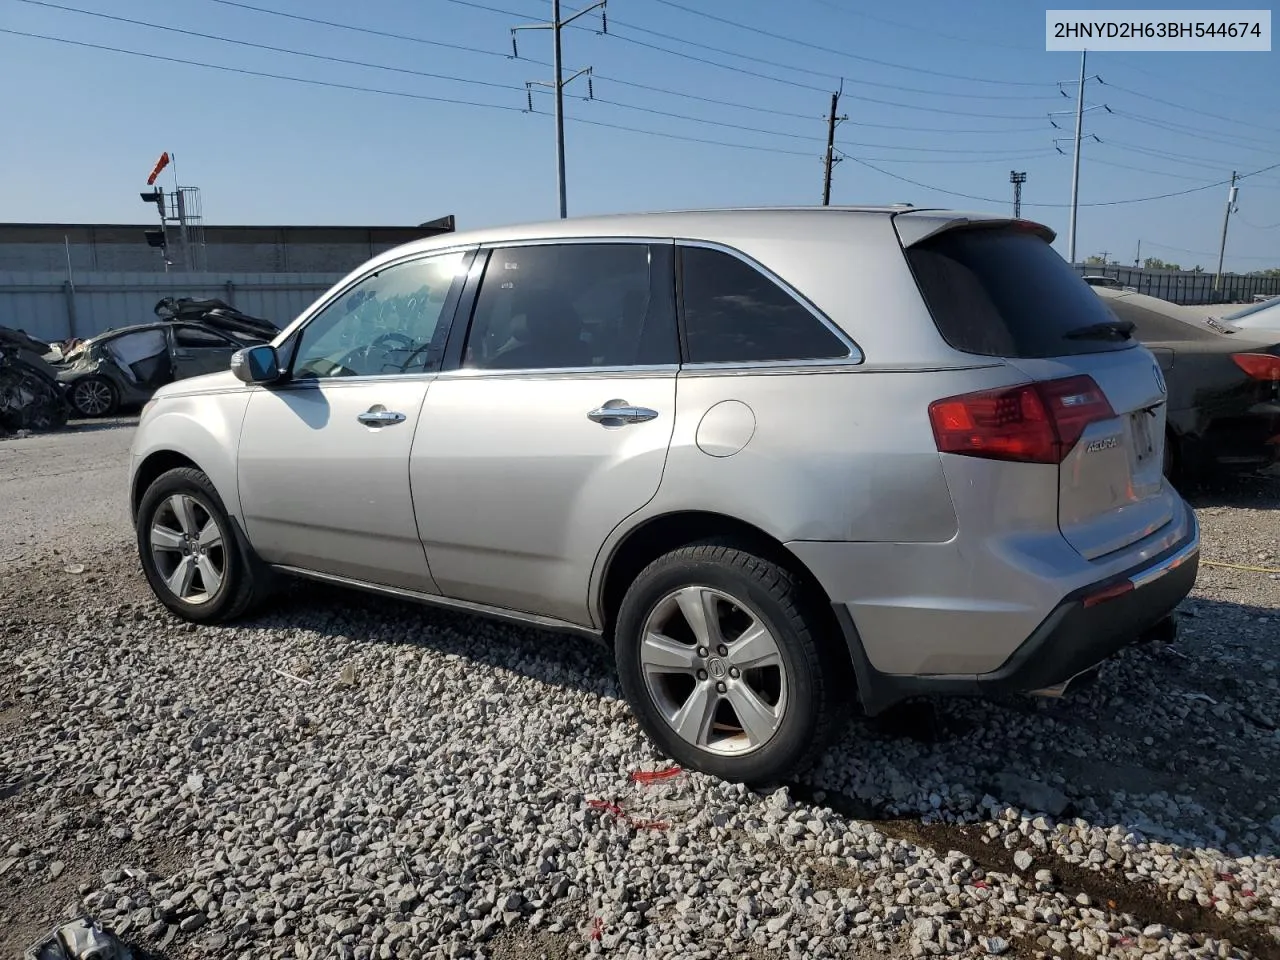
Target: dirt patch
(530, 945)
(1107, 889)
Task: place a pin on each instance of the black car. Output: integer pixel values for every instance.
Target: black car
(124, 367)
(1224, 387)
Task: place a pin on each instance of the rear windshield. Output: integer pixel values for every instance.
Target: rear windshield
(1003, 292)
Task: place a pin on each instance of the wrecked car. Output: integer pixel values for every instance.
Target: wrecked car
(30, 397)
(124, 367)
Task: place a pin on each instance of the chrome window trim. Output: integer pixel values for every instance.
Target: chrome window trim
(575, 241)
(620, 372)
(853, 357)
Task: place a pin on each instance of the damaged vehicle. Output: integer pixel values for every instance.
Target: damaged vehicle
(30, 397)
(124, 367)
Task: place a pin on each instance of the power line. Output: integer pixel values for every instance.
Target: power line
(971, 41)
(1201, 253)
(1199, 134)
(186, 61)
(366, 30)
(845, 53)
(1184, 108)
(466, 80)
(1157, 173)
(275, 49)
(1096, 203)
(664, 90)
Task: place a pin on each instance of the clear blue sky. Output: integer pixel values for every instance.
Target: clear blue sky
(959, 98)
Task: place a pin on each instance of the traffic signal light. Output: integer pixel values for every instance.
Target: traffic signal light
(155, 196)
(155, 238)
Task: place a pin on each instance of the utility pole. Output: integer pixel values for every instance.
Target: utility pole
(1075, 167)
(1137, 257)
(555, 26)
(831, 159)
(1017, 179)
(1079, 138)
(1226, 219)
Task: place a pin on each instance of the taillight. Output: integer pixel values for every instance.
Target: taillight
(1032, 423)
(1259, 366)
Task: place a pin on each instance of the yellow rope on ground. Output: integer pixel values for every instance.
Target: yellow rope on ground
(1239, 566)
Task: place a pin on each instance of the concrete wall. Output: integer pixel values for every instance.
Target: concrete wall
(44, 305)
(121, 248)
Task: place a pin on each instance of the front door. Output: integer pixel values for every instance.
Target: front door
(553, 428)
(324, 457)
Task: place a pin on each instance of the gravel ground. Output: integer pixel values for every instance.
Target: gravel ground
(350, 777)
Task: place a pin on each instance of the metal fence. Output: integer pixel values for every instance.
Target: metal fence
(1187, 286)
(52, 307)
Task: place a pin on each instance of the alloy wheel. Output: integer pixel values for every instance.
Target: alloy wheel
(93, 397)
(188, 549)
(714, 670)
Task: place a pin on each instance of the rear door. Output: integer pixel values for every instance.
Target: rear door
(197, 350)
(999, 289)
(554, 425)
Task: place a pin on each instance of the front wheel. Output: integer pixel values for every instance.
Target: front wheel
(189, 551)
(727, 664)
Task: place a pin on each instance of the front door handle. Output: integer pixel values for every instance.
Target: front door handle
(380, 417)
(618, 413)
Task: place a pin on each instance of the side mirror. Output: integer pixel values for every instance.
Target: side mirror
(258, 364)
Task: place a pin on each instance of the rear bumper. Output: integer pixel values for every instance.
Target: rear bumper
(1079, 633)
(1245, 441)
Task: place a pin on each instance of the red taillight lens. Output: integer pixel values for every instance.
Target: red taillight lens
(1032, 423)
(1259, 366)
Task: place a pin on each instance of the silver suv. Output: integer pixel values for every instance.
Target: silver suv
(783, 462)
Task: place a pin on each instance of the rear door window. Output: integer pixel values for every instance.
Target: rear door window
(733, 313)
(1004, 292)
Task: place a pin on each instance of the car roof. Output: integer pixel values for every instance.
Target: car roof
(712, 224)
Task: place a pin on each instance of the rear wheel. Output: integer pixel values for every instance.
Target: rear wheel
(94, 397)
(724, 658)
(189, 550)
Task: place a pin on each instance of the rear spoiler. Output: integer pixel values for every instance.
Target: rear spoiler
(916, 226)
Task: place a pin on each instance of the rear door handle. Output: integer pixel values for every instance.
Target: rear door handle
(379, 417)
(617, 413)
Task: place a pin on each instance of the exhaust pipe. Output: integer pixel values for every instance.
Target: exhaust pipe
(1081, 680)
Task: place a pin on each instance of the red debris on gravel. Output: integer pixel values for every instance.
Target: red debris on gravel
(655, 776)
(633, 822)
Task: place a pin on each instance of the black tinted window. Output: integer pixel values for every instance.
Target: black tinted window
(1150, 325)
(735, 314)
(195, 337)
(574, 305)
(1006, 293)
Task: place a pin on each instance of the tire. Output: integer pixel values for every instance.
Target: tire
(805, 697)
(94, 397)
(179, 571)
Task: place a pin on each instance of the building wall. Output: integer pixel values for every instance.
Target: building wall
(123, 248)
(47, 306)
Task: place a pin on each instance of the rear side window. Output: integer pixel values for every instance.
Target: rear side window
(195, 337)
(1006, 293)
(735, 314)
(568, 305)
(1150, 325)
